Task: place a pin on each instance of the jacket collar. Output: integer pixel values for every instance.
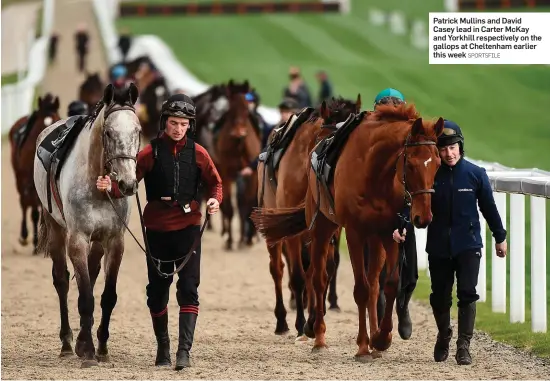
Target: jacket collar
(172, 143)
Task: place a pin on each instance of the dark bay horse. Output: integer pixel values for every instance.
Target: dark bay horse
(237, 143)
(287, 188)
(389, 158)
(84, 224)
(153, 92)
(22, 136)
(91, 90)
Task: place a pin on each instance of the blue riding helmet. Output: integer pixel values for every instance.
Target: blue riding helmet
(389, 95)
(250, 97)
(119, 71)
(451, 134)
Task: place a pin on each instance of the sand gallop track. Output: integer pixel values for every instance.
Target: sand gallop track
(234, 338)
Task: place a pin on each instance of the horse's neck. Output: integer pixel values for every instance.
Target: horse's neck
(90, 147)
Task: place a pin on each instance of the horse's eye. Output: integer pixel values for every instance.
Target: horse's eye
(108, 134)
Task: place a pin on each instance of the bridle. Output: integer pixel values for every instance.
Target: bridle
(106, 159)
(408, 195)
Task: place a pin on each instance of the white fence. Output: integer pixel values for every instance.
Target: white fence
(17, 98)
(516, 182)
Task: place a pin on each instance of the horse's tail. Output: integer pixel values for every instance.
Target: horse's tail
(278, 224)
(43, 234)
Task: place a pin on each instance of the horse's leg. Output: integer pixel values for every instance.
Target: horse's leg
(35, 215)
(292, 301)
(382, 338)
(322, 232)
(227, 212)
(23, 238)
(361, 289)
(77, 247)
(55, 248)
(113, 260)
(332, 296)
(297, 281)
(276, 268)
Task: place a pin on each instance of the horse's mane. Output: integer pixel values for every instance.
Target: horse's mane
(402, 112)
(334, 105)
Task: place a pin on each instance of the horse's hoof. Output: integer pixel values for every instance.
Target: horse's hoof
(103, 357)
(89, 363)
(281, 329)
(308, 331)
(319, 348)
(66, 352)
(381, 340)
(302, 339)
(376, 354)
(23, 241)
(335, 308)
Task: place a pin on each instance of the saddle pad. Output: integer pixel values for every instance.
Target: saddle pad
(60, 141)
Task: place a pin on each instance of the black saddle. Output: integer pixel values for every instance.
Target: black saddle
(57, 145)
(20, 136)
(281, 139)
(326, 153)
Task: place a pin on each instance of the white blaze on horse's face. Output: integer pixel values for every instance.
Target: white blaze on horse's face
(427, 161)
(122, 140)
(47, 121)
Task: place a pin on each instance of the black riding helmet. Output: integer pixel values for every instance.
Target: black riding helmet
(451, 134)
(77, 108)
(181, 106)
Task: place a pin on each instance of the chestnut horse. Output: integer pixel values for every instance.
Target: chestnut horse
(388, 159)
(287, 188)
(236, 144)
(22, 136)
(91, 90)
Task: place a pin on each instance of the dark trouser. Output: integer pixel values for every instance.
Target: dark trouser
(170, 246)
(442, 273)
(409, 274)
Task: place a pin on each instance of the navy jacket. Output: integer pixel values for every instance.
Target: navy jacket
(455, 224)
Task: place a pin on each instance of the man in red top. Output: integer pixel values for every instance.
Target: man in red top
(173, 166)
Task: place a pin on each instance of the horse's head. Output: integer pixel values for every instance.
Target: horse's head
(418, 159)
(121, 131)
(338, 110)
(237, 134)
(234, 88)
(48, 111)
(91, 90)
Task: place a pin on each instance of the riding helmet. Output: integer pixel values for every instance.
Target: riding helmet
(389, 95)
(77, 108)
(451, 134)
(118, 71)
(181, 106)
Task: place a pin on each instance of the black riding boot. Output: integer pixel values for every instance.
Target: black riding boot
(405, 323)
(160, 326)
(441, 348)
(466, 320)
(187, 331)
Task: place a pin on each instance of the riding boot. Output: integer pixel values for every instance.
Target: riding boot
(160, 326)
(466, 320)
(405, 323)
(187, 331)
(443, 321)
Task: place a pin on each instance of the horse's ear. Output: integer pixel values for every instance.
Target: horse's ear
(358, 103)
(438, 127)
(418, 127)
(108, 94)
(230, 83)
(133, 93)
(325, 114)
(247, 85)
(56, 103)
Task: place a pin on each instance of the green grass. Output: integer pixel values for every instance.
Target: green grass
(501, 108)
